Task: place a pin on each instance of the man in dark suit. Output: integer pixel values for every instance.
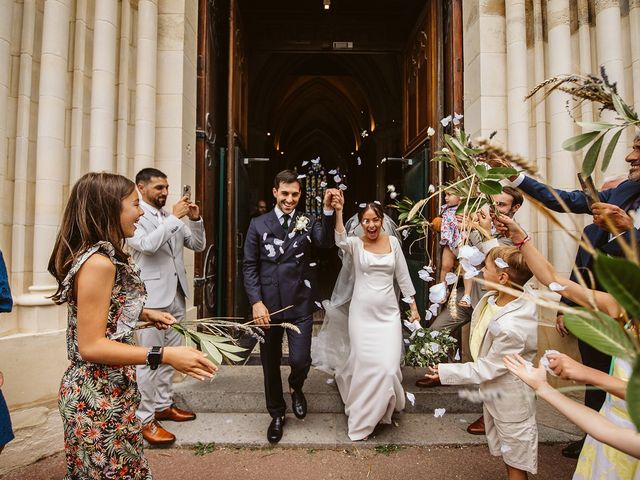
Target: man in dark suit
(614, 205)
(279, 272)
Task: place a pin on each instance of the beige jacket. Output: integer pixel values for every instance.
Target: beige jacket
(513, 330)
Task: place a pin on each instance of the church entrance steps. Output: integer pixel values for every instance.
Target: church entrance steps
(239, 389)
(329, 430)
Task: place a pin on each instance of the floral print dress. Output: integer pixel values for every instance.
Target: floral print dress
(98, 403)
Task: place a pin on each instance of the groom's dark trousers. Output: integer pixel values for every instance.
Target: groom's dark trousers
(279, 271)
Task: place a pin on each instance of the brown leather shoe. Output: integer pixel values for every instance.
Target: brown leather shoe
(154, 434)
(175, 414)
(427, 383)
(477, 427)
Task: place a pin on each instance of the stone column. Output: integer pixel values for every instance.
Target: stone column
(103, 86)
(542, 239)
(584, 43)
(51, 165)
(146, 64)
(562, 171)
(609, 53)
(6, 23)
(20, 234)
(517, 109)
(76, 167)
(634, 33)
(122, 132)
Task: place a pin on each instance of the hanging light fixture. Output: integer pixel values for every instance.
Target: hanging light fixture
(327, 4)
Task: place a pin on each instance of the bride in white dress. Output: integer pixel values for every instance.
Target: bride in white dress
(370, 381)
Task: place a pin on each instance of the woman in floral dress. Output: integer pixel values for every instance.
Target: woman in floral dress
(105, 297)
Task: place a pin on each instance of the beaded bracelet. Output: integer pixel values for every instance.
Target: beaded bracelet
(521, 243)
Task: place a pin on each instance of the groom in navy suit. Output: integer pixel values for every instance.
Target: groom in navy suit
(279, 272)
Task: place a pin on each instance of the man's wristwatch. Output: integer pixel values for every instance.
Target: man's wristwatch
(154, 357)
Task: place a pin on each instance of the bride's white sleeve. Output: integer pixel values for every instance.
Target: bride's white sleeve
(343, 242)
(402, 271)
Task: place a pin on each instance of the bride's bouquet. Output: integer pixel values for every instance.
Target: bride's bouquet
(429, 347)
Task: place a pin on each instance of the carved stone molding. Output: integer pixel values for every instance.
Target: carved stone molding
(600, 5)
(558, 13)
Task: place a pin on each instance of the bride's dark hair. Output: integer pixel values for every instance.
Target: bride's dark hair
(376, 207)
(92, 215)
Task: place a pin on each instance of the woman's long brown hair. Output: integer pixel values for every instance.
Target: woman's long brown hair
(92, 215)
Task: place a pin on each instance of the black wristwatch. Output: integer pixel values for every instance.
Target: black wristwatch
(154, 357)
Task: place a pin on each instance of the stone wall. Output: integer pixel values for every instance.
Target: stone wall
(85, 85)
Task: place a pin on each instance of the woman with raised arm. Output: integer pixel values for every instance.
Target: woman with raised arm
(105, 296)
(370, 382)
(612, 446)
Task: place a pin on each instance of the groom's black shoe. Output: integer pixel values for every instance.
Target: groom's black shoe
(274, 432)
(298, 404)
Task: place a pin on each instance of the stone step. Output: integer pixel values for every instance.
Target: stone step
(329, 430)
(240, 389)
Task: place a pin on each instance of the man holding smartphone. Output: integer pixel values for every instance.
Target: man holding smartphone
(157, 248)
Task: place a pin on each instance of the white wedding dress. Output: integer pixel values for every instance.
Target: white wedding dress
(370, 381)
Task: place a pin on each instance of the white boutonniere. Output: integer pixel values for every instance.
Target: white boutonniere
(302, 224)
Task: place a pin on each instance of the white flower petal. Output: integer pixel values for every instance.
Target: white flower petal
(430, 132)
(337, 178)
(446, 121)
(277, 241)
(428, 315)
(438, 293)
(264, 236)
(295, 244)
(412, 326)
(271, 251)
(405, 233)
(377, 202)
(323, 184)
(292, 234)
(474, 256)
(330, 381)
(439, 412)
(301, 176)
(359, 160)
(450, 278)
(333, 172)
(281, 250)
(318, 199)
(307, 283)
(500, 263)
(299, 255)
(556, 287)
(544, 361)
(435, 348)
(305, 162)
(420, 333)
(434, 334)
(316, 160)
(424, 275)
(342, 187)
(318, 304)
(431, 189)
(313, 264)
(457, 356)
(393, 195)
(433, 308)
(411, 397)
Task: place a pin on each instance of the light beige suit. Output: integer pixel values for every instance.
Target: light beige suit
(509, 404)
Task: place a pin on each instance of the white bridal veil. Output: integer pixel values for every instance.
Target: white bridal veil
(330, 348)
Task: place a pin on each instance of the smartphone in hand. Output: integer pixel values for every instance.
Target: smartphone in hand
(589, 190)
(186, 191)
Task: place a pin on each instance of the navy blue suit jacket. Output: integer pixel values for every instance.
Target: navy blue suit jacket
(284, 278)
(622, 196)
